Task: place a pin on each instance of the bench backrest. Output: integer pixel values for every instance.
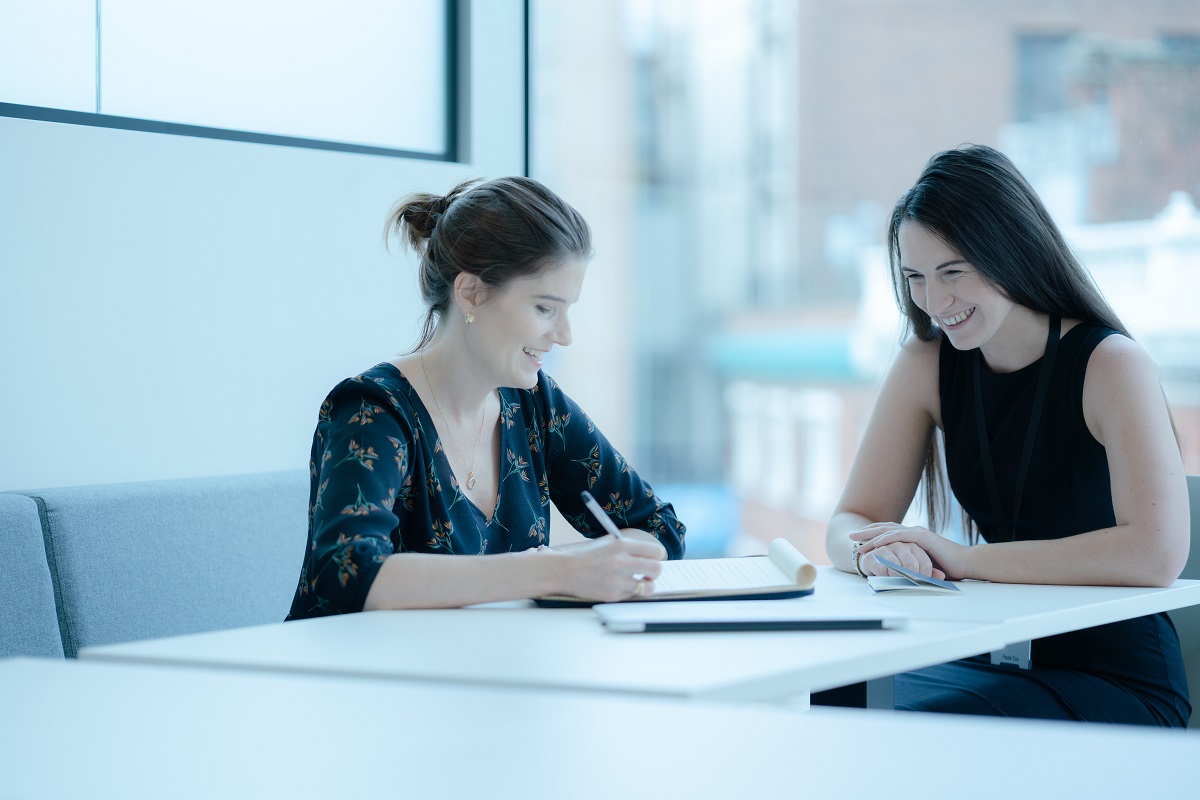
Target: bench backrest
(142, 560)
(28, 614)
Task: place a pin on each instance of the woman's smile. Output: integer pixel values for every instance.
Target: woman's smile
(957, 319)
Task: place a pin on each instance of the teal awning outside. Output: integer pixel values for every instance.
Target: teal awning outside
(783, 355)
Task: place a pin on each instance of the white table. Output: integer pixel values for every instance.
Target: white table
(1024, 611)
(79, 729)
(567, 649)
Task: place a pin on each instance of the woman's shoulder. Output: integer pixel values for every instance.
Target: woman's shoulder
(923, 347)
(1116, 357)
(1100, 349)
(921, 356)
(544, 407)
(1123, 398)
(1120, 379)
(382, 388)
(1086, 335)
(912, 384)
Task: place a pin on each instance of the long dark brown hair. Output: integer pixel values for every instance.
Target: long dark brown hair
(499, 230)
(976, 201)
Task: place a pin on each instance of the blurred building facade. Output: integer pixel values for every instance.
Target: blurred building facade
(766, 142)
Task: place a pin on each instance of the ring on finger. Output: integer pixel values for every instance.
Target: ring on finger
(639, 588)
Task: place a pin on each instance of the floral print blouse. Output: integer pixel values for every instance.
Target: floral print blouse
(381, 484)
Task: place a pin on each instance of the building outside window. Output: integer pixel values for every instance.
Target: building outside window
(738, 159)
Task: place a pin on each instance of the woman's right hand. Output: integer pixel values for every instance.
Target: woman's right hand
(907, 554)
(610, 569)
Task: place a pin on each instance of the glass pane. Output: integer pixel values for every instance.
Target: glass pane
(48, 53)
(738, 159)
(369, 73)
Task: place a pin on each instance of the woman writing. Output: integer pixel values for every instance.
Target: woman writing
(432, 473)
(1058, 446)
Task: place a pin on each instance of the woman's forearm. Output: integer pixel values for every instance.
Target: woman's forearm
(837, 538)
(605, 569)
(421, 580)
(1123, 555)
(1117, 556)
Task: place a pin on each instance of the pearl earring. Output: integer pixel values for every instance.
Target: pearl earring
(470, 318)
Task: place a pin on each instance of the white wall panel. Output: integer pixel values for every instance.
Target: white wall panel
(173, 306)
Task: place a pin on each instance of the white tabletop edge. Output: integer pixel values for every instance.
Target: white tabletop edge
(413, 677)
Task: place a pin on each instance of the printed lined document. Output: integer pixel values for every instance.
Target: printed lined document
(783, 567)
(782, 572)
(908, 582)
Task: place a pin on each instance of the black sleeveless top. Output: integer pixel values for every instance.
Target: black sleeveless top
(1067, 492)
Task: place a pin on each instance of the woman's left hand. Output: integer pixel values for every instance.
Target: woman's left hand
(947, 556)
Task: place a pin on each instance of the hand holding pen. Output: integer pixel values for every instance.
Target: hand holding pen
(640, 579)
(598, 512)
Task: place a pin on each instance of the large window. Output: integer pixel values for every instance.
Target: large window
(374, 76)
(738, 159)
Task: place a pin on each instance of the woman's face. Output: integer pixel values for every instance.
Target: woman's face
(964, 304)
(518, 324)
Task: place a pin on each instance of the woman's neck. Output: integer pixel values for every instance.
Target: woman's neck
(452, 381)
(1020, 341)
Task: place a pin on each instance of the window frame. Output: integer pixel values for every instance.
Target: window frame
(456, 47)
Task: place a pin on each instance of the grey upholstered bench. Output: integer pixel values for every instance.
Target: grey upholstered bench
(158, 558)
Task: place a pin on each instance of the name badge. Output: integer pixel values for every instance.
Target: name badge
(1017, 655)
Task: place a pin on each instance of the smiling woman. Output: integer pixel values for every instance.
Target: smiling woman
(1058, 445)
(433, 473)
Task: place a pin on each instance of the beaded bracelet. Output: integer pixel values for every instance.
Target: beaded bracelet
(854, 555)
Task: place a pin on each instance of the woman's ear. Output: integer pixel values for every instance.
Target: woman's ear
(469, 293)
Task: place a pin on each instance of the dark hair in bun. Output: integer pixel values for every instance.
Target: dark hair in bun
(499, 230)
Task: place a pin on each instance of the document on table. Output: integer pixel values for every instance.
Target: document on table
(753, 572)
(908, 582)
(782, 573)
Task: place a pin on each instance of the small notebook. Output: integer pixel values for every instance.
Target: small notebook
(908, 582)
(743, 615)
(783, 572)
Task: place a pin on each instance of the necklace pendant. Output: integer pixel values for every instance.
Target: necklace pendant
(470, 480)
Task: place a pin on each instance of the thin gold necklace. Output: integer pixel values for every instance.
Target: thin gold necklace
(453, 441)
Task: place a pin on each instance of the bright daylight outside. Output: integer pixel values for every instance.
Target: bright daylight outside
(738, 160)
